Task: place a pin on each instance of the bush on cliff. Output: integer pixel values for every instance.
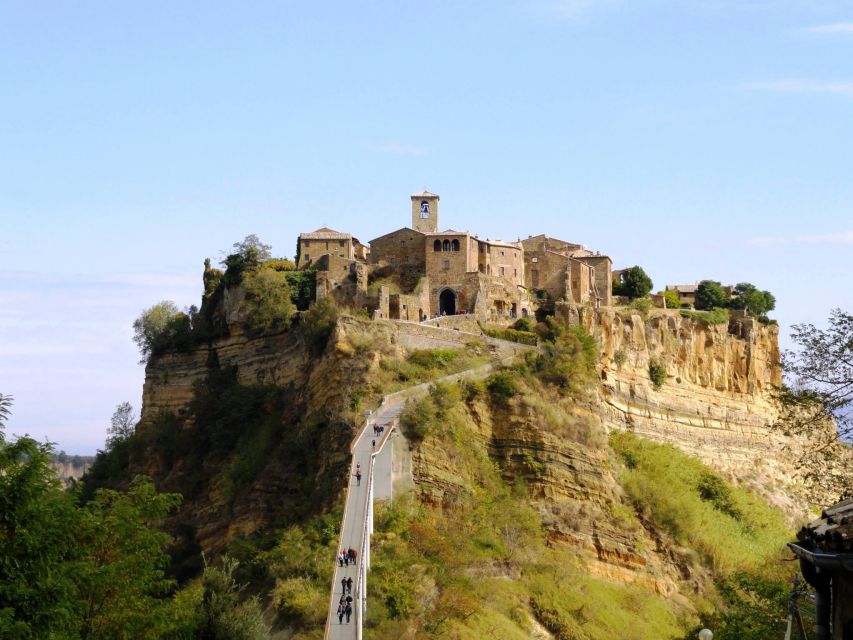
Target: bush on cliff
(161, 327)
(268, 303)
(318, 323)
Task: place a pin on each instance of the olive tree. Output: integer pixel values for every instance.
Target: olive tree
(818, 401)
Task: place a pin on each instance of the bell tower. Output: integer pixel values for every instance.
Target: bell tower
(425, 211)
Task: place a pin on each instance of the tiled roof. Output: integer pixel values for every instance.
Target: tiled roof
(425, 194)
(682, 288)
(833, 531)
(325, 233)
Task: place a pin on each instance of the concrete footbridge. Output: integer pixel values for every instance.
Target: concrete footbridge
(375, 465)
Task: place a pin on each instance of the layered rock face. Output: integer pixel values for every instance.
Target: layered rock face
(716, 401)
(714, 404)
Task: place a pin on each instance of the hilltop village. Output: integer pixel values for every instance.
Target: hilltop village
(419, 272)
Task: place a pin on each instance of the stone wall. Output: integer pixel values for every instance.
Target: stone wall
(603, 278)
(402, 247)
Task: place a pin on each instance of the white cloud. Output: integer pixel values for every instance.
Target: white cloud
(837, 238)
(398, 149)
(838, 27)
(803, 86)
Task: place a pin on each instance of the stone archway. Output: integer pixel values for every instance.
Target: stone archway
(447, 303)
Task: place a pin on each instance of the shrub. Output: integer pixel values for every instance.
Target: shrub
(642, 305)
(524, 324)
(502, 386)
(714, 316)
(511, 335)
(417, 418)
(673, 301)
(318, 323)
(657, 373)
(268, 300)
(619, 358)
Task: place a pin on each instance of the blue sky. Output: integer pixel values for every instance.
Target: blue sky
(696, 138)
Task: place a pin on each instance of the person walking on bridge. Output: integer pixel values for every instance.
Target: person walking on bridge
(349, 584)
(358, 478)
(348, 611)
(341, 611)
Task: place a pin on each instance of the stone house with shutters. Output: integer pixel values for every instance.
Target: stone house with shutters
(419, 272)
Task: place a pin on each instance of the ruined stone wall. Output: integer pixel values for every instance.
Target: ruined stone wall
(603, 278)
(581, 279)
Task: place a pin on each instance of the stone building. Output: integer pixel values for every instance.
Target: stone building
(420, 272)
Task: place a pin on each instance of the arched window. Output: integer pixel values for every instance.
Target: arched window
(446, 245)
(436, 246)
(455, 245)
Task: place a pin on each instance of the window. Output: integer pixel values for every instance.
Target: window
(502, 271)
(342, 243)
(515, 272)
(447, 265)
(436, 246)
(307, 257)
(424, 209)
(455, 245)
(307, 243)
(445, 246)
(402, 243)
(503, 253)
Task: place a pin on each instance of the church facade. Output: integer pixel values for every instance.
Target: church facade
(418, 272)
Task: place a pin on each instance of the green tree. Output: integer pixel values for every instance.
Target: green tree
(318, 323)
(268, 299)
(252, 249)
(223, 615)
(37, 522)
(122, 424)
(710, 294)
(819, 401)
(158, 328)
(635, 283)
(247, 255)
(120, 572)
(751, 300)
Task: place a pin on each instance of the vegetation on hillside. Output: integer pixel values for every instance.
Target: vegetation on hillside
(734, 533)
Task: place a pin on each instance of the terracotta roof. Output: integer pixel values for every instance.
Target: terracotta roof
(833, 531)
(324, 233)
(682, 288)
(425, 194)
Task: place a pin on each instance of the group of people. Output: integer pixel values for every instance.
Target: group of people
(345, 605)
(378, 429)
(345, 608)
(347, 557)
